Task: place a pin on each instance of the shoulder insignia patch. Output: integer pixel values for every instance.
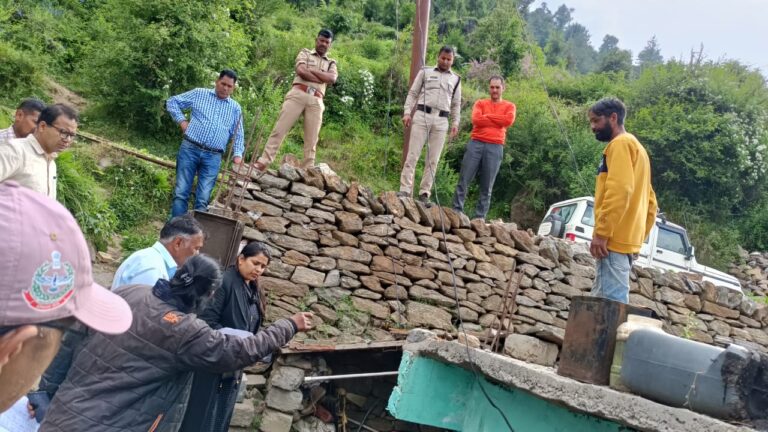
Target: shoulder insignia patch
(172, 318)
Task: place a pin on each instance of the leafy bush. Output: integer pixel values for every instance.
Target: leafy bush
(133, 241)
(139, 192)
(121, 198)
(19, 74)
(80, 193)
(172, 48)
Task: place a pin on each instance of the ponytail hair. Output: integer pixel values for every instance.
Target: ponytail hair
(194, 282)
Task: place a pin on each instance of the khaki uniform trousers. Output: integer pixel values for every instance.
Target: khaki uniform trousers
(424, 127)
(296, 102)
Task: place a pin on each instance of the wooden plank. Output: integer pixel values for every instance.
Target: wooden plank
(298, 348)
(149, 158)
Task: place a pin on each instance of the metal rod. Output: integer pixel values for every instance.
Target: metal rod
(368, 428)
(508, 308)
(349, 376)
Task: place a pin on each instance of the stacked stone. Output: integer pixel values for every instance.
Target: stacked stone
(366, 264)
(752, 271)
(278, 400)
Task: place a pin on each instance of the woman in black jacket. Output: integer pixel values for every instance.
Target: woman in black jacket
(238, 304)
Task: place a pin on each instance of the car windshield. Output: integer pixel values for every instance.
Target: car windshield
(565, 212)
(671, 241)
(589, 215)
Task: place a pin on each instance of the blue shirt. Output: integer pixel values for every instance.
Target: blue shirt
(212, 120)
(145, 267)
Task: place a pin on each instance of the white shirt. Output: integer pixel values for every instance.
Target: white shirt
(24, 161)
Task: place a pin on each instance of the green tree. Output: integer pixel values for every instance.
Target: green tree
(557, 50)
(611, 58)
(171, 48)
(563, 17)
(582, 57)
(499, 37)
(650, 55)
(541, 23)
(706, 150)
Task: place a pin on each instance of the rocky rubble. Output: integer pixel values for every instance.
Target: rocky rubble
(752, 271)
(366, 264)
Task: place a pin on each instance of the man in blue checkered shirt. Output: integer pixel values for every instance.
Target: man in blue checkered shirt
(214, 120)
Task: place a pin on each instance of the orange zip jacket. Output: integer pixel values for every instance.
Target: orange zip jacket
(625, 203)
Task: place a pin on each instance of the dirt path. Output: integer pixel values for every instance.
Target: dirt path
(104, 273)
(61, 94)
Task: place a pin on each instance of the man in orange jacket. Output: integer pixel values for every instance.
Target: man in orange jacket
(485, 150)
(625, 204)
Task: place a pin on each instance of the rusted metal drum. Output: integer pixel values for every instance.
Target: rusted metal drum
(590, 337)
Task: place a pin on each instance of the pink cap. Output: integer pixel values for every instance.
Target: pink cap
(45, 267)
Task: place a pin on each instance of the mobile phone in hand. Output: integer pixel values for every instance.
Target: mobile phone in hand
(39, 400)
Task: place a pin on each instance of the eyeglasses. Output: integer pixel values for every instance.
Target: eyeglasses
(65, 134)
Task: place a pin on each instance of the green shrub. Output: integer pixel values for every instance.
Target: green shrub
(133, 241)
(140, 192)
(19, 75)
(80, 193)
(172, 48)
(754, 228)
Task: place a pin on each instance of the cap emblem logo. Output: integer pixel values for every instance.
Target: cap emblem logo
(52, 285)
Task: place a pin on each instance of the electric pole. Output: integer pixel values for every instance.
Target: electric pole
(418, 55)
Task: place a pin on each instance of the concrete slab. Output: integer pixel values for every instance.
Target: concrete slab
(543, 383)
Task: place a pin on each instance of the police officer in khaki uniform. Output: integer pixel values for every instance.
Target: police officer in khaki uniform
(435, 94)
(314, 71)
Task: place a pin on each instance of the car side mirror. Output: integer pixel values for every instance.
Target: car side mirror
(690, 253)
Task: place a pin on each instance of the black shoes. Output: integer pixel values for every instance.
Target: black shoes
(424, 199)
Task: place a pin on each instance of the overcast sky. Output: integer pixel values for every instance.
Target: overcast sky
(736, 29)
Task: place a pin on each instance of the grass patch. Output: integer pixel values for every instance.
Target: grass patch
(110, 195)
(140, 238)
(79, 191)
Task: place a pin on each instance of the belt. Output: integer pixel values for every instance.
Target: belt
(429, 109)
(311, 90)
(202, 146)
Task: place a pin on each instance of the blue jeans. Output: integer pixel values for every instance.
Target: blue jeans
(612, 279)
(193, 161)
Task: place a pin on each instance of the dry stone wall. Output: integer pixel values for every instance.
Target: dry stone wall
(366, 264)
(752, 271)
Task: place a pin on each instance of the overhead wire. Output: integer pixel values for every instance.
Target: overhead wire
(391, 81)
(431, 172)
(529, 43)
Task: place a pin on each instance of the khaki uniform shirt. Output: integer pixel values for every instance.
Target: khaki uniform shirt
(314, 61)
(7, 134)
(437, 90)
(24, 161)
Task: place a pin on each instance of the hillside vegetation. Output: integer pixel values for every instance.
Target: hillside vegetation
(704, 123)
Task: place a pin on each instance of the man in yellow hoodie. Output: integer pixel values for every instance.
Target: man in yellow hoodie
(625, 204)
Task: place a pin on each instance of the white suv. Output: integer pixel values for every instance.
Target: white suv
(666, 248)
